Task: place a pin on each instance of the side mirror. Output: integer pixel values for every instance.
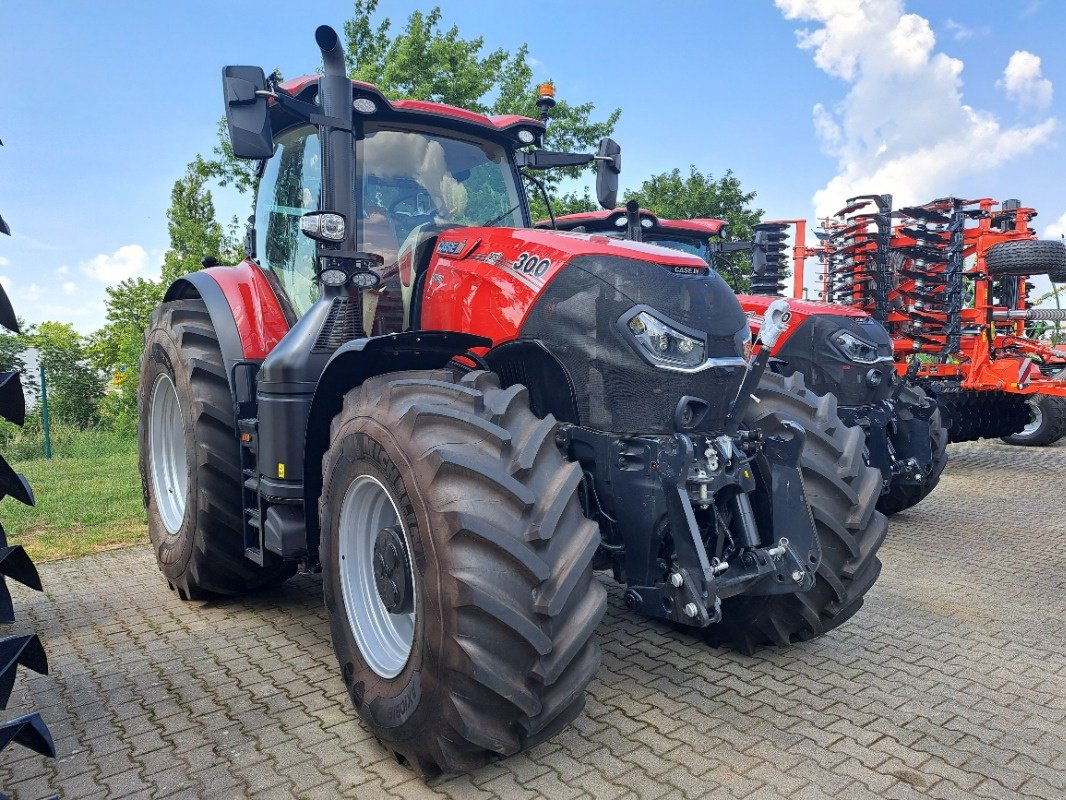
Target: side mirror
(608, 165)
(250, 135)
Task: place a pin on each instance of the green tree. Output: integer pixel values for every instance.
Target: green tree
(670, 195)
(115, 350)
(194, 232)
(75, 386)
(426, 62)
(569, 203)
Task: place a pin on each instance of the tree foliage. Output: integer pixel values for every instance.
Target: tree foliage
(673, 196)
(568, 203)
(75, 386)
(194, 232)
(670, 195)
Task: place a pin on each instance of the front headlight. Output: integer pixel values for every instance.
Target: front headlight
(663, 344)
(856, 349)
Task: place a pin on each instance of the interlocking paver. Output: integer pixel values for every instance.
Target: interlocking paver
(949, 683)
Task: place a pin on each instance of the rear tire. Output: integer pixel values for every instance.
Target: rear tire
(842, 493)
(495, 641)
(1048, 423)
(901, 496)
(191, 476)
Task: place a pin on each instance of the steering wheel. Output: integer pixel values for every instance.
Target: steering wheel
(412, 196)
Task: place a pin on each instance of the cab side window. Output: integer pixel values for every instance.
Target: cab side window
(289, 189)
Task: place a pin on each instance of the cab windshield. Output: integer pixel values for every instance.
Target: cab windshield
(696, 247)
(412, 178)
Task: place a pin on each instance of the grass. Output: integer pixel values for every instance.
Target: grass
(88, 499)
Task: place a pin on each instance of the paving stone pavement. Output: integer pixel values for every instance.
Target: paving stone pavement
(950, 683)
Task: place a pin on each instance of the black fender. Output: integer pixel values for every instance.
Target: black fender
(347, 368)
(201, 285)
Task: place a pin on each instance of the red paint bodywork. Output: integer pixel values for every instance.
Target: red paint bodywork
(478, 290)
(261, 323)
(755, 306)
(607, 220)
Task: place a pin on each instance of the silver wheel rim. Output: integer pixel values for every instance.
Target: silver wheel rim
(1036, 418)
(170, 468)
(384, 638)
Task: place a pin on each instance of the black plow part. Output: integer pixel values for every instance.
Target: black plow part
(15, 564)
(29, 731)
(12, 399)
(14, 484)
(14, 650)
(7, 313)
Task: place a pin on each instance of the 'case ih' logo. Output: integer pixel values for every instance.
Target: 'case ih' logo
(451, 248)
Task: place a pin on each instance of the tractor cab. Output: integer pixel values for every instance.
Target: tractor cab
(417, 173)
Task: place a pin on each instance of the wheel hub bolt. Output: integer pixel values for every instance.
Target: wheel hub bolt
(677, 580)
(392, 575)
(797, 576)
(691, 610)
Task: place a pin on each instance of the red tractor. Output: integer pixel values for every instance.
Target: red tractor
(456, 418)
(838, 349)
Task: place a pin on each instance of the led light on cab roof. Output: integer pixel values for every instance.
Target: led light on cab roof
(364, 105)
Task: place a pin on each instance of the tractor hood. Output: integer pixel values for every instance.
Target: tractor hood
(560, 310)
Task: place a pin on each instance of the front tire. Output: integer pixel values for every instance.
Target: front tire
(842, 493)
(901, 496)
(484, 596)
(190, 459)
(1047, 424)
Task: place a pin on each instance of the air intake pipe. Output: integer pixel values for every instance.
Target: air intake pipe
(289, 376)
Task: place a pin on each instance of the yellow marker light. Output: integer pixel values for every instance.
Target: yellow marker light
(281, 470)
(546, 90)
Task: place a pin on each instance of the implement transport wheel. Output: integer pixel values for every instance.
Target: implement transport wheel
(1028, 257)
(901, 496)
(1047, 424)
(842, 493)
(190, 459)
(456, 566)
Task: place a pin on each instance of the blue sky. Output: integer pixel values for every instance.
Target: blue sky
(103, 104)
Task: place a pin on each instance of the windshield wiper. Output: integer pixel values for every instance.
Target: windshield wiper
(494, 220)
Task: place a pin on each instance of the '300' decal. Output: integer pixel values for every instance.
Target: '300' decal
(530, 264)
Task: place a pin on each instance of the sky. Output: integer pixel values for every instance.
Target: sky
(103, 104)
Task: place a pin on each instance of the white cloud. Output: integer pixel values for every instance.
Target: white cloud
(5, 262)
(903, 126)
(1056, 229)
(69, 288)
(960, 31)
(1024, 82)
(128, 261)
(63, 270)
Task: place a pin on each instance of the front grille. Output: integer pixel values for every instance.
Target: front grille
(344, 323)
(616, 390)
